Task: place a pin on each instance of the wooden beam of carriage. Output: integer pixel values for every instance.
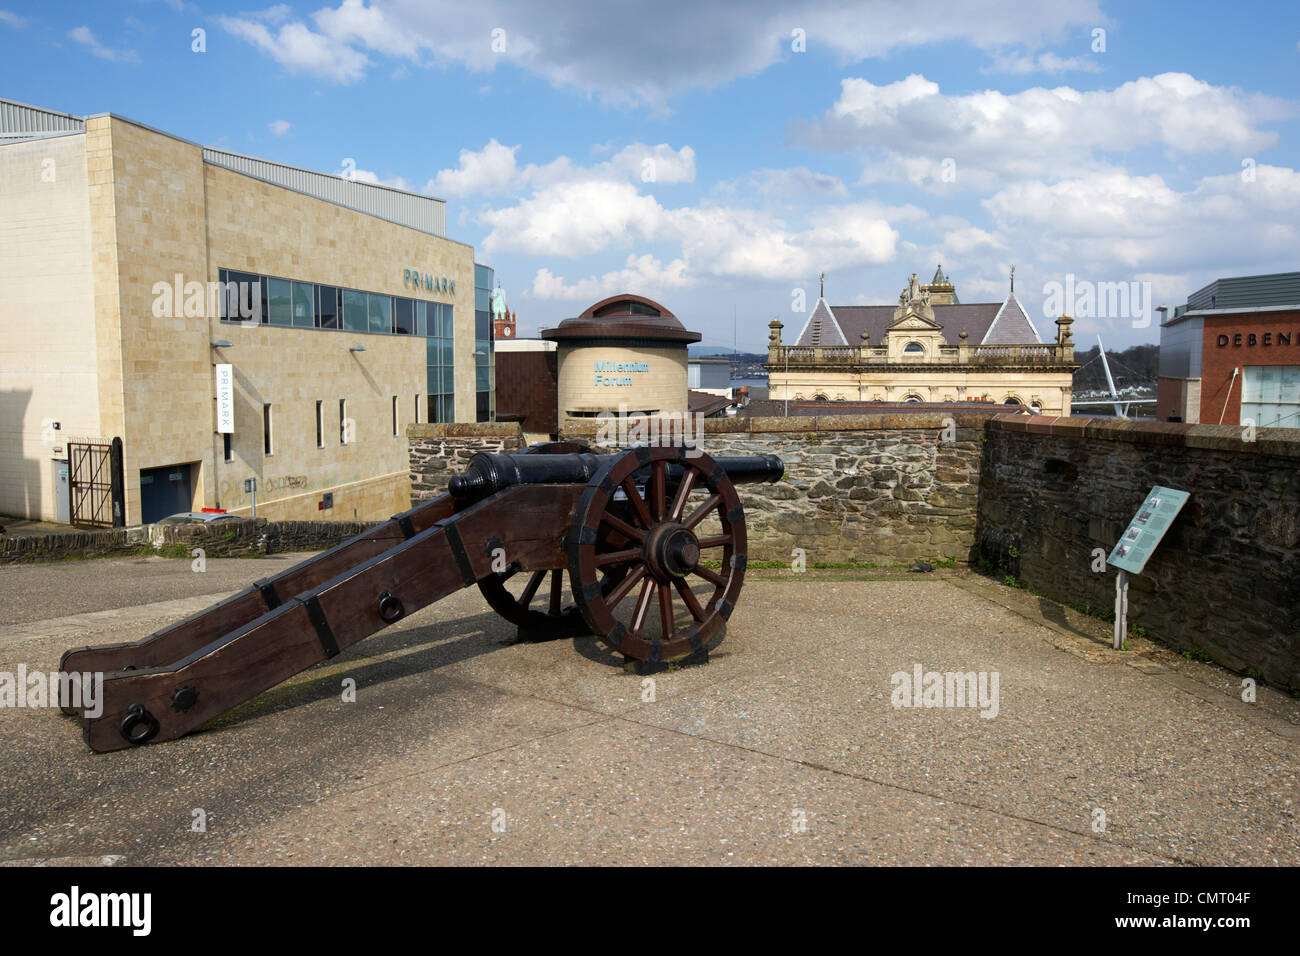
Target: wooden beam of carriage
(214, 661)
(178, 640)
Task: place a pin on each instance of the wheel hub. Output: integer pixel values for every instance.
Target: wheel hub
(672, 550)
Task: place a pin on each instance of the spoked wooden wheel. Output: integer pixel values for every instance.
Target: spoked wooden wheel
(540, 603)
(678, 515)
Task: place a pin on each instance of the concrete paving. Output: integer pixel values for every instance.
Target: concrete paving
(465, 748)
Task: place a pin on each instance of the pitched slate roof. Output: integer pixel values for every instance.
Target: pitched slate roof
(822, 328)
(1011, 326)
(853, 319)
(979, 319)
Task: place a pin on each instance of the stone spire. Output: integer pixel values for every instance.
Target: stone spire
(941, 289)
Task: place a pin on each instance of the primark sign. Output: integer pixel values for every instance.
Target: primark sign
(415, 279)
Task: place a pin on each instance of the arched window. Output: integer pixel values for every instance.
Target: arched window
(1011, 400)
(1036, 408)
(820, 397)
(914, 348)
(913, 399)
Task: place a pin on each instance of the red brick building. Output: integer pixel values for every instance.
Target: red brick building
(1232, 354)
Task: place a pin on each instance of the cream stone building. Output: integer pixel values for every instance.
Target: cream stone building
(226, 318)
(929, 348)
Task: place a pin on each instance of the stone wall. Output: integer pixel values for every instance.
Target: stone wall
(440, 451)
(870, 488)
(1223, 580)
(246, 537)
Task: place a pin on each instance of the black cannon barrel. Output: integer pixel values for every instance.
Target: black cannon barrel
(488, 474)
(752, 469)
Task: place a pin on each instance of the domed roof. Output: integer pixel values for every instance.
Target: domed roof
(623, 316)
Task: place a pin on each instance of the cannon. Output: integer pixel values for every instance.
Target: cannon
(652, 541)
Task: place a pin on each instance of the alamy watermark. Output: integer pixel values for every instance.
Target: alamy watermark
(38, 689)
(923, 688)
(232, 300)
(625, 429)
(1083, 299)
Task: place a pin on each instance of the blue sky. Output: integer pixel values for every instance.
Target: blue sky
(691, 152)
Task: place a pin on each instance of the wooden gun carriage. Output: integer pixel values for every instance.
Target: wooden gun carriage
(654, 522)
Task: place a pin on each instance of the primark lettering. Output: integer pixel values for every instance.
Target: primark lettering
(617, 373)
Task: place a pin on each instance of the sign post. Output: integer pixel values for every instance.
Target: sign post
(1138, 543)
(250, 487)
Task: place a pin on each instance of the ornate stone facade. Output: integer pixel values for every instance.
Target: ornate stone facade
(929, 348)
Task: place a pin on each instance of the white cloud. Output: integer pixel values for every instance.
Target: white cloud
(1112, 226)
(278, 127)
(87, 39)
(980, 140)
(299, 50)
(1020, 63)
(574, 219)
(691, 44)
(494, 169)
(644, 273)
(13, 19)
(795, 184)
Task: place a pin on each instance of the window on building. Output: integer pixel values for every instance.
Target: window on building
(421, 318)
(417, 410)
(381, 312)
(304, 305)
(1011, 400)
(440, 361)
(241, 299)
(280, 292)
(394, 414)
(356, 311)
(914, 348)
(327, 307)
(226, 448)
(320, 424)
(266, 429)
(403, 316)
(1270, 396)
(343, 421)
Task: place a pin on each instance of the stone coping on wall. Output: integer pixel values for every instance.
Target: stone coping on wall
(465, 430)
(803, 423)
(1279, 442)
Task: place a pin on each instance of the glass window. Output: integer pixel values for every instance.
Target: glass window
(482, 325)
(223, 311)
(355, 311)
(280, 293)
(242, 296)
(327, 307)
(265, 310)
(381, 313)
(421, 321)
(445, 352)
(403, 316)
(303, 306)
